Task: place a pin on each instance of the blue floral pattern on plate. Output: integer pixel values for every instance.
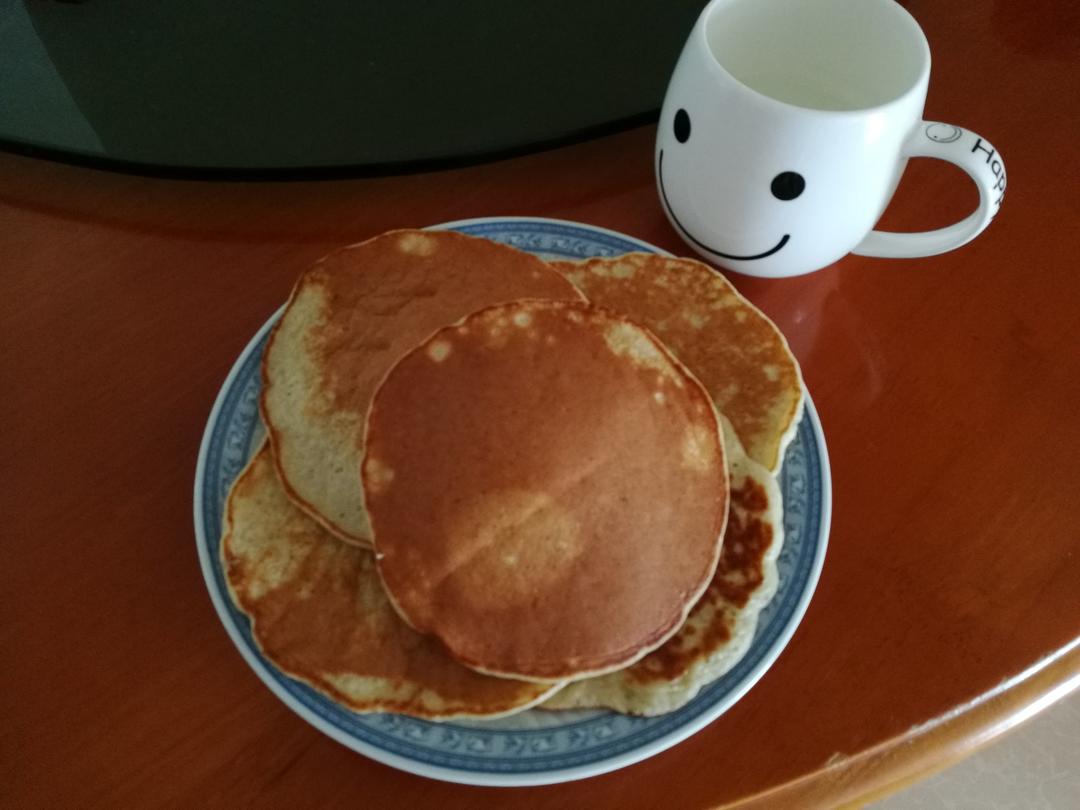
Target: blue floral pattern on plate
(535, 747)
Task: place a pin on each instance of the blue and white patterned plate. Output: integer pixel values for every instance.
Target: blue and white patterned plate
(535, 747)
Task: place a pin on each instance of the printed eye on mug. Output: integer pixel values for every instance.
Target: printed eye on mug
(785, 130)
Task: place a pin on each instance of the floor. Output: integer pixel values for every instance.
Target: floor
(1035, 767)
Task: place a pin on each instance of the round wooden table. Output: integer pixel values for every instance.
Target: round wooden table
(949, 605)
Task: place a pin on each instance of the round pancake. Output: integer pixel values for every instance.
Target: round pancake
(734, 349)
(319, 613)
(547, 490)
(719, 629)
(349, 319)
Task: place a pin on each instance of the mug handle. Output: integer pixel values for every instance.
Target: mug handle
(973, 154)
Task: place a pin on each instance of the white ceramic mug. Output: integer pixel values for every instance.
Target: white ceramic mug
(785, 130)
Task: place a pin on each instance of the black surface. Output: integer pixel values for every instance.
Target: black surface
(333, 87)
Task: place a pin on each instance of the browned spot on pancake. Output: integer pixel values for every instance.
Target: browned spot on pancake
(739, 574)
(751, 496)
(747, 539)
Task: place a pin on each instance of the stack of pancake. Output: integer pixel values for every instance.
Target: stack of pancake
(491, 483)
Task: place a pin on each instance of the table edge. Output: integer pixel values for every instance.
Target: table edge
(930, 747)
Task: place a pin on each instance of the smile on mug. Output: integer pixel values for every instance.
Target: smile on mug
(785, 186)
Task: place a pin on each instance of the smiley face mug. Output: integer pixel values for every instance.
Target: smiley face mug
(786, 127)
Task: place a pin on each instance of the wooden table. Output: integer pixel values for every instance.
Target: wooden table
(949, 607)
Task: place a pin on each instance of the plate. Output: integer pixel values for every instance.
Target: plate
(534, 747)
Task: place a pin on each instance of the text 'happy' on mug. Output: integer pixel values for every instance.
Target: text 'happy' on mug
(787, 125)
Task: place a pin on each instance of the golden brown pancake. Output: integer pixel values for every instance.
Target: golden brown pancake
(547, 490)
(723, 339)
(721, 626)
(349, 319)
(319, 613)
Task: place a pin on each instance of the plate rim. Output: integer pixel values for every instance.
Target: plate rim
(486, 778)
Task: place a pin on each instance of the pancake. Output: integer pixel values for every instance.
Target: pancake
(349, 319)
(719, 629)
(547, 490)
(319, 613)
(723, 339)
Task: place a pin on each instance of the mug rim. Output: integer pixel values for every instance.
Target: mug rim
(700, 34)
